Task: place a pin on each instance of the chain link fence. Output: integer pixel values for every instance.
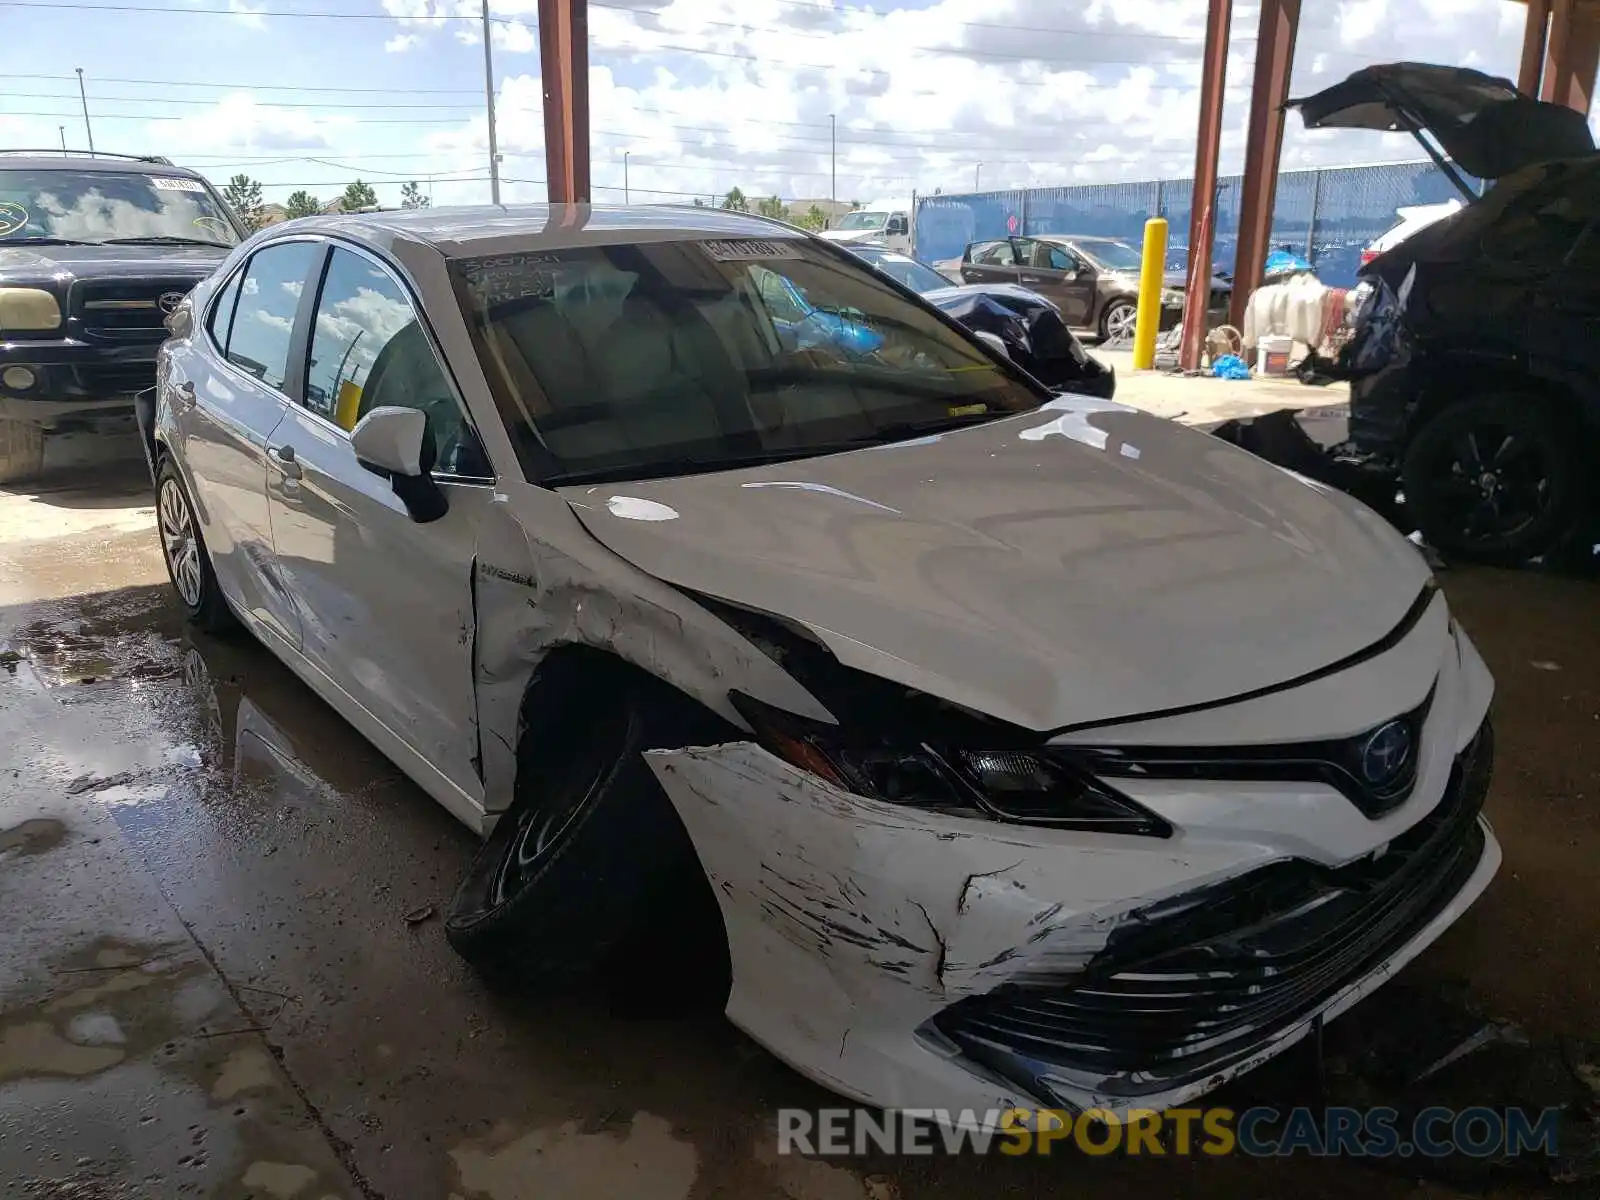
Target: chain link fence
(1329, 214)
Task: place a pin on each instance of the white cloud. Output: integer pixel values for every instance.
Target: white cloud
(401, 42)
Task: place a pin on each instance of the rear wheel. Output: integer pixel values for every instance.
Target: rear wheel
(1497, 479)
(184, 549)
(1118, 320)
(590, 847)
(21, 450)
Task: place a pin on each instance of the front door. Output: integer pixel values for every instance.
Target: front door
(385, 602)
(1060, 275)
(225, 389)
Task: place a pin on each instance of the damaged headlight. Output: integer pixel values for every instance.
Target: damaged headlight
(1031, 786)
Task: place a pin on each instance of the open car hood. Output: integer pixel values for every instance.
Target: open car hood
(1487, 127)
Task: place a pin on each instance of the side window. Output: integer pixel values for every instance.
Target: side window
(1030, 253)
(779, 295)
(368, 351)
(995, 254)
(263, 322)
(222, 310)
(1062, 260)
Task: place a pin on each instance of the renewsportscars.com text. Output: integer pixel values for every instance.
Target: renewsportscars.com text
(1479, 1132)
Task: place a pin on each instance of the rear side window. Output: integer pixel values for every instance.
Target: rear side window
(222, 310)
(263, 320)
(995, 254)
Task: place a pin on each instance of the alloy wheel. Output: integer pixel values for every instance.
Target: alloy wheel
(179, 543)
(1120, 322)
(1494, 482)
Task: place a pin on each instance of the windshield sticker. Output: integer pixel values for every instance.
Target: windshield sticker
(12, 217)
(512, 277)
(164, 183)
(745, 251)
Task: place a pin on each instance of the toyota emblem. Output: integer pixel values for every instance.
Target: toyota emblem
(1386, 754)
(168, 302)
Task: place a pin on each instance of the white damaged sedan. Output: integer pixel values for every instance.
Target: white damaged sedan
(1036, 751)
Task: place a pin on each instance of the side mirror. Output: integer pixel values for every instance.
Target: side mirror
(394, 442)
(994, 341)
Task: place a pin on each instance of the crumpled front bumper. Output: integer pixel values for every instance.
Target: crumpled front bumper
(910, 959)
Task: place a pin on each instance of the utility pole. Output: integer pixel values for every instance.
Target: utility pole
(488, 99)
(626, 196)
(833, 161)
(977, 175)
(84, 96)
(62, 130)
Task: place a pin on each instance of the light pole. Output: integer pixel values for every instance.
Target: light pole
(833, 164)
(977, 175)
(626, 195)
(488, 100)
(84, 96)
(62, 130)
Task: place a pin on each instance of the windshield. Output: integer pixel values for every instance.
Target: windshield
(862, 220)
(99, 206)
(670, 358)
(1115, 256)
(909, 271)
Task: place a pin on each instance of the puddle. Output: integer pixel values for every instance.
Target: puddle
(643, 1162)
(35, 1049)
(32, 837)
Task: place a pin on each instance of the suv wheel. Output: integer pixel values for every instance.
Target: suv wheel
(1497, 479)
(1118, 320)
(21, 450)
(183, 548)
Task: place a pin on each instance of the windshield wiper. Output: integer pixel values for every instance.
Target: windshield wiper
(162, 239)
(44, 241)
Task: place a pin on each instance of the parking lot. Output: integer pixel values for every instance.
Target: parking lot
(224, 908)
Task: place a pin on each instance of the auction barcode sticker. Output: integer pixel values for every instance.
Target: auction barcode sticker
(165, 183)
(742, 251)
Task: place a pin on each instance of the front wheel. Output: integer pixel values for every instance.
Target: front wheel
(1118, 321)
(184, 550)
(1497, 479)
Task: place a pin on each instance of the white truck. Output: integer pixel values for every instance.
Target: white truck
(881, 223)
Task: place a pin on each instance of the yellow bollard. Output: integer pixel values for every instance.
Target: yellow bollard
(1152, 281)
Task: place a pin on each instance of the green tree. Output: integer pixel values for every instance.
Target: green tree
(735, 201)
(302, 204)
(815, 218)
(411, 197)
(773, 207)
(243, 195)
(357, 196)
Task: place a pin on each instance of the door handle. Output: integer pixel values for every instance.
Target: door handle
(282, 457)
(1033, 279)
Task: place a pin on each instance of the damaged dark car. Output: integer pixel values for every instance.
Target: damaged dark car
(1475, 364)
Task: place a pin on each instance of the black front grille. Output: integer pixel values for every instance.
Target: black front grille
(116, 378)
(1201, 981)
(126, 309)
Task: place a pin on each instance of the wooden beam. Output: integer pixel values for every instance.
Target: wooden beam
(1203, 203)
(564, 68)
(1535, 32)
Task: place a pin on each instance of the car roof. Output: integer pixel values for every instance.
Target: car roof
(477, 229)
(45, 161)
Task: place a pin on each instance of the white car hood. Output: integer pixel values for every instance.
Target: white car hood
(1075, 564)
(850, 235)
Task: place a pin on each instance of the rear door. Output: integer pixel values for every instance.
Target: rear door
(227, 395)
(385, 602)
(990, 262)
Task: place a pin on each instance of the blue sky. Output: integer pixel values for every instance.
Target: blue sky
(701, 95)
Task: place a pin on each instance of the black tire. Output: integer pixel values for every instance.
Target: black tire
(183, 549)
(1497, 479)
(1116, 311)
(588, 850)
(21, 450)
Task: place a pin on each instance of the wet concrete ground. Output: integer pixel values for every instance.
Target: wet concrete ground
(222, 972)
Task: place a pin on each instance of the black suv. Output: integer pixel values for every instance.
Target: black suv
(94, 252)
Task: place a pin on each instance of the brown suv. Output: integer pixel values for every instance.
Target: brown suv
(1094, 281)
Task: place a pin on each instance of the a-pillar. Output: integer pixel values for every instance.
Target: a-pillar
(1280, 23)
(564, 67)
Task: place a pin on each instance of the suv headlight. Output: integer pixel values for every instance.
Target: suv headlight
(28, 310)
(1031, 786)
